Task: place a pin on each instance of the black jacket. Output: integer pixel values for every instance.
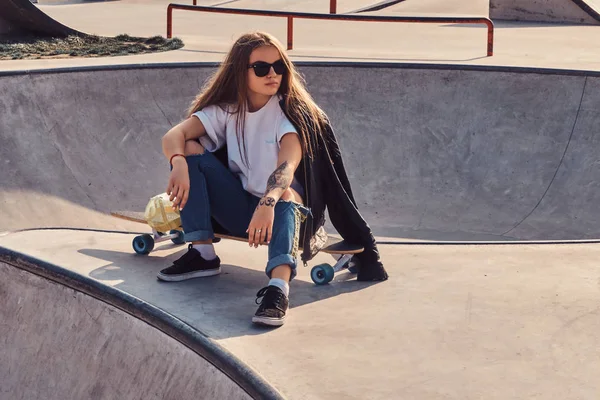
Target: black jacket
(326, 186)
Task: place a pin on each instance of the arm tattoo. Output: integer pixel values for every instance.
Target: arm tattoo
(280, 178)
(267, 201)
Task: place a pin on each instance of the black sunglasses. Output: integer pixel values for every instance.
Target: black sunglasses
(262, 68)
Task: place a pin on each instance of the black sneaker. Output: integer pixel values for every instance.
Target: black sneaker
(190, 265)
(273, 307)
(374, 272)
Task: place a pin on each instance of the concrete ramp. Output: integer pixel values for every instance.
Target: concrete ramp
(436, 153)
(448, 8)
(561, 11)
(21, 17)
(69, 337)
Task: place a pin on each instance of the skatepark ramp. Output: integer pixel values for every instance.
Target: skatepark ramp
(21, 17)
(562, 11)
(433, 152)
(65, 336)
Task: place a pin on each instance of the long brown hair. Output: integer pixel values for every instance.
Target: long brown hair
(228, 86)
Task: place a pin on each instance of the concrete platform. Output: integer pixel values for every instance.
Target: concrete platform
(453, 322)
(207, 37)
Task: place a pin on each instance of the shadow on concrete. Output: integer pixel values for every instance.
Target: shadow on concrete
(502, 24)
(220, 306)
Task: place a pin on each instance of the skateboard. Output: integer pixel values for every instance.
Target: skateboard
(320, 274)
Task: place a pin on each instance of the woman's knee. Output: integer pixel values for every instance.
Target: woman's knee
(291, 195)
(193, 147)
(288, 195)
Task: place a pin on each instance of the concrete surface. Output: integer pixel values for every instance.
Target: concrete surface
(459, 154)
(208, 37)
(479, 8)
(59, 343)
(313, 6)
(453, 322)
(22, 17)
(561, 11)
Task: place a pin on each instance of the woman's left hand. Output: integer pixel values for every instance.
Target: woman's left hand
(261, 226)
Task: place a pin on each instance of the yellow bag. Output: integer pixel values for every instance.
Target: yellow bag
(161, 215)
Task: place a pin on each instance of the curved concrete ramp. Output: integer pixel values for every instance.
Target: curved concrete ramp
(18, 17)
(437, 153)
(562, 11)
(69, 337)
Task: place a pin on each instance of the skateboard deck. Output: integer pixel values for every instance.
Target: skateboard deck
(333, 246)
(320, 274)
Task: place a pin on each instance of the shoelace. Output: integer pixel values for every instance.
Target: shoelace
(269, 295)
(184, 257)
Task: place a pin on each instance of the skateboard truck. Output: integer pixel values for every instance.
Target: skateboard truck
(322, 274)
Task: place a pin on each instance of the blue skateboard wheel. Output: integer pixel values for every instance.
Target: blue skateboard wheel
(322, 274)
(143, 244)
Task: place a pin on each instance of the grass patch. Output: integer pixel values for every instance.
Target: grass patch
(87, 46)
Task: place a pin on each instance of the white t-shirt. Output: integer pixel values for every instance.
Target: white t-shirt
(263, 132)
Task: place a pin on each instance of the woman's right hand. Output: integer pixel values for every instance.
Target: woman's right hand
(179, 183)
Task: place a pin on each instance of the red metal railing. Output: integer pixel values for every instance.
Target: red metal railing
(357, 18)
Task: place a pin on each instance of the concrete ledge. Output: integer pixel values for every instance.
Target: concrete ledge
(561, 11)
(52, 301)
(328, 64)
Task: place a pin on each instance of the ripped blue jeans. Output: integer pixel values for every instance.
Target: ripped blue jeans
(216, 192)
